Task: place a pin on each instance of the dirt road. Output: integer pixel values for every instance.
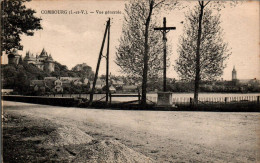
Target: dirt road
(48, 133)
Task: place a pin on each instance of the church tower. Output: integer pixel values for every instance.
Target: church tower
(234, 74)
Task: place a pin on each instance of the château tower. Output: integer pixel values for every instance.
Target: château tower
(49, 64)
(13, 57)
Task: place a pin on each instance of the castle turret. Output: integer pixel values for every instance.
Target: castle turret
(234, 74)
(13, 57)
(49, 64)
(50, 58)
(29, 58)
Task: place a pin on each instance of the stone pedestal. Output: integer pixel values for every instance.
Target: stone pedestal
(164, 99)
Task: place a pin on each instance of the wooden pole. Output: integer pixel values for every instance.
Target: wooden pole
(107, 70)
(97, 68)
(110, 98)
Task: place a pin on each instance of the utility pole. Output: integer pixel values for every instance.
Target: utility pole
(98, 63)
(107, 57)
(164, 30)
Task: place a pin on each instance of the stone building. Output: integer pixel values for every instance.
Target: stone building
(43, 61)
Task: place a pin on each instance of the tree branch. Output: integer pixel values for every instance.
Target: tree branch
(206, 4)
(159, 3)
(200, 3)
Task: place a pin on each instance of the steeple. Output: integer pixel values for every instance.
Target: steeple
(234, 74)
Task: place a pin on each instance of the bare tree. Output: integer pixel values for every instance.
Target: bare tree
(140, 50)
(202, 42)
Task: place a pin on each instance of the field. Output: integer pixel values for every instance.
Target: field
(60, 134)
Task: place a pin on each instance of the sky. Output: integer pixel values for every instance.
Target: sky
(76, 38)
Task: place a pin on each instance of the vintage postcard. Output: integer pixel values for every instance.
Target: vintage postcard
(130, 81)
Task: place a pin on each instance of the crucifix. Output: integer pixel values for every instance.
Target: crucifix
(164, 30)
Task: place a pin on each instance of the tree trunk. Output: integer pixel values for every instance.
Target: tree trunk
(197, 76)
(146, 51)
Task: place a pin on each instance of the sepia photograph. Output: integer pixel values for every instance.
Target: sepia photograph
(130, 81)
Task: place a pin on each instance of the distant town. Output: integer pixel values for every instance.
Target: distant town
(40, 74)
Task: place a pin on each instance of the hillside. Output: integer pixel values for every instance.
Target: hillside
(18, 77)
